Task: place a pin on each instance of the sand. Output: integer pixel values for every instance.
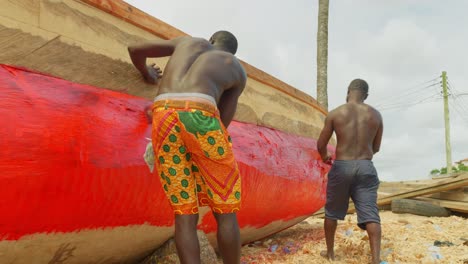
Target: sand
(405, 239)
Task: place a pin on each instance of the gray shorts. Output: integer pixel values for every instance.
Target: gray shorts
(356, 179)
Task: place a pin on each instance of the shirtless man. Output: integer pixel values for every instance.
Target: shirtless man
(196, 102)
(358, 129)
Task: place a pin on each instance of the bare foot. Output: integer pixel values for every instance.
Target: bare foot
(329, 256)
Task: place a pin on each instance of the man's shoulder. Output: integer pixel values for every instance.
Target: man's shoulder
(228, 59)
(332, 114)
(337, 110)
(188, 40)
(374, 110)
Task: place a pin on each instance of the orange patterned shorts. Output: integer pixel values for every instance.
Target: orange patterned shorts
(194, 157)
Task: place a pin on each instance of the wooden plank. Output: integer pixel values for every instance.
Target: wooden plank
(26, 11)
(449, 184)
(400, 186)
(89, 27)
(416, 183)
(136, 17)
(453, 195)
(443, 176)
(15, 44)
(458, 206)
(59, 59)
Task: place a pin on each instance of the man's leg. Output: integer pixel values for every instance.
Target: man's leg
(330, 229)
(374, 232)
(364, 195)
(186, 238)
(229, 243)
(339, 180)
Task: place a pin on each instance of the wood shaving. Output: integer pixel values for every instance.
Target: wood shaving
(405, 239)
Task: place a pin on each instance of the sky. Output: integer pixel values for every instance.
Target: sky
(399, 47)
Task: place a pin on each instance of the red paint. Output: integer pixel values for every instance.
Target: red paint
(282, 177)
(71, 159)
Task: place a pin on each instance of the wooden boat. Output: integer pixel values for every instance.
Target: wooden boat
(74, 187)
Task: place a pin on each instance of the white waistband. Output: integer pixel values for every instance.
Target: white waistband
(185, 95)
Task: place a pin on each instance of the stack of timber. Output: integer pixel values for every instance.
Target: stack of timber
(429, 197)
(435, 197)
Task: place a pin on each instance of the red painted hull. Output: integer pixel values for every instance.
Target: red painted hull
(72, 159)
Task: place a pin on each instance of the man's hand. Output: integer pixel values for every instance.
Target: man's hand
(327, 159)
(153, 74)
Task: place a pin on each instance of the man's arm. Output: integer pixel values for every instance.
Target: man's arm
(227, 104)
(324, 137)
(151, 49)
(378, 138)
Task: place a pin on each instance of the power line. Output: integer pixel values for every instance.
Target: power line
(455, 95)
(462, 104)
(459, 99)
(422, 101)
(462, 110)
(463, 114)
(403, 97)
(408, 91)
(451, 87)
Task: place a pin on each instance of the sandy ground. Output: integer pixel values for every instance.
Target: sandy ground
(405, 239)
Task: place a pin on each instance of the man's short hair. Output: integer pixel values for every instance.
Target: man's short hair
(360, 85)
(225, 39)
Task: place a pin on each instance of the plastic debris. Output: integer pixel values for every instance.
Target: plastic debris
(273, 248)
(443, 243)
(434, 248)
(349, 232)
(387, 252)
(436, 255)
(435, 252)
(148, 156)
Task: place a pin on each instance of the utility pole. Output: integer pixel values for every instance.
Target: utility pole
(448, 148)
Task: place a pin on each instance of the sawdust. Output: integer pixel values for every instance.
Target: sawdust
(405, 239)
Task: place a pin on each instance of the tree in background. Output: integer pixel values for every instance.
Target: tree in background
(322, 54)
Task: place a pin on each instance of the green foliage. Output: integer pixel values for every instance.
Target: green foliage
(443, 170)
(460, 167)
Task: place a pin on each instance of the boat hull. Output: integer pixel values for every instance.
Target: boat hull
(74, 183)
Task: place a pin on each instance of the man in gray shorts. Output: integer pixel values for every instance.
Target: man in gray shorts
(358, 129)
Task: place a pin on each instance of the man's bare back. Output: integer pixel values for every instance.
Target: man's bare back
(356, 126)
(195, 66)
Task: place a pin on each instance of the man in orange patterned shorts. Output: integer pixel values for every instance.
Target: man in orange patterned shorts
(196, 102)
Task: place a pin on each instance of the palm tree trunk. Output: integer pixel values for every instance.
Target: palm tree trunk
(322, 53)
